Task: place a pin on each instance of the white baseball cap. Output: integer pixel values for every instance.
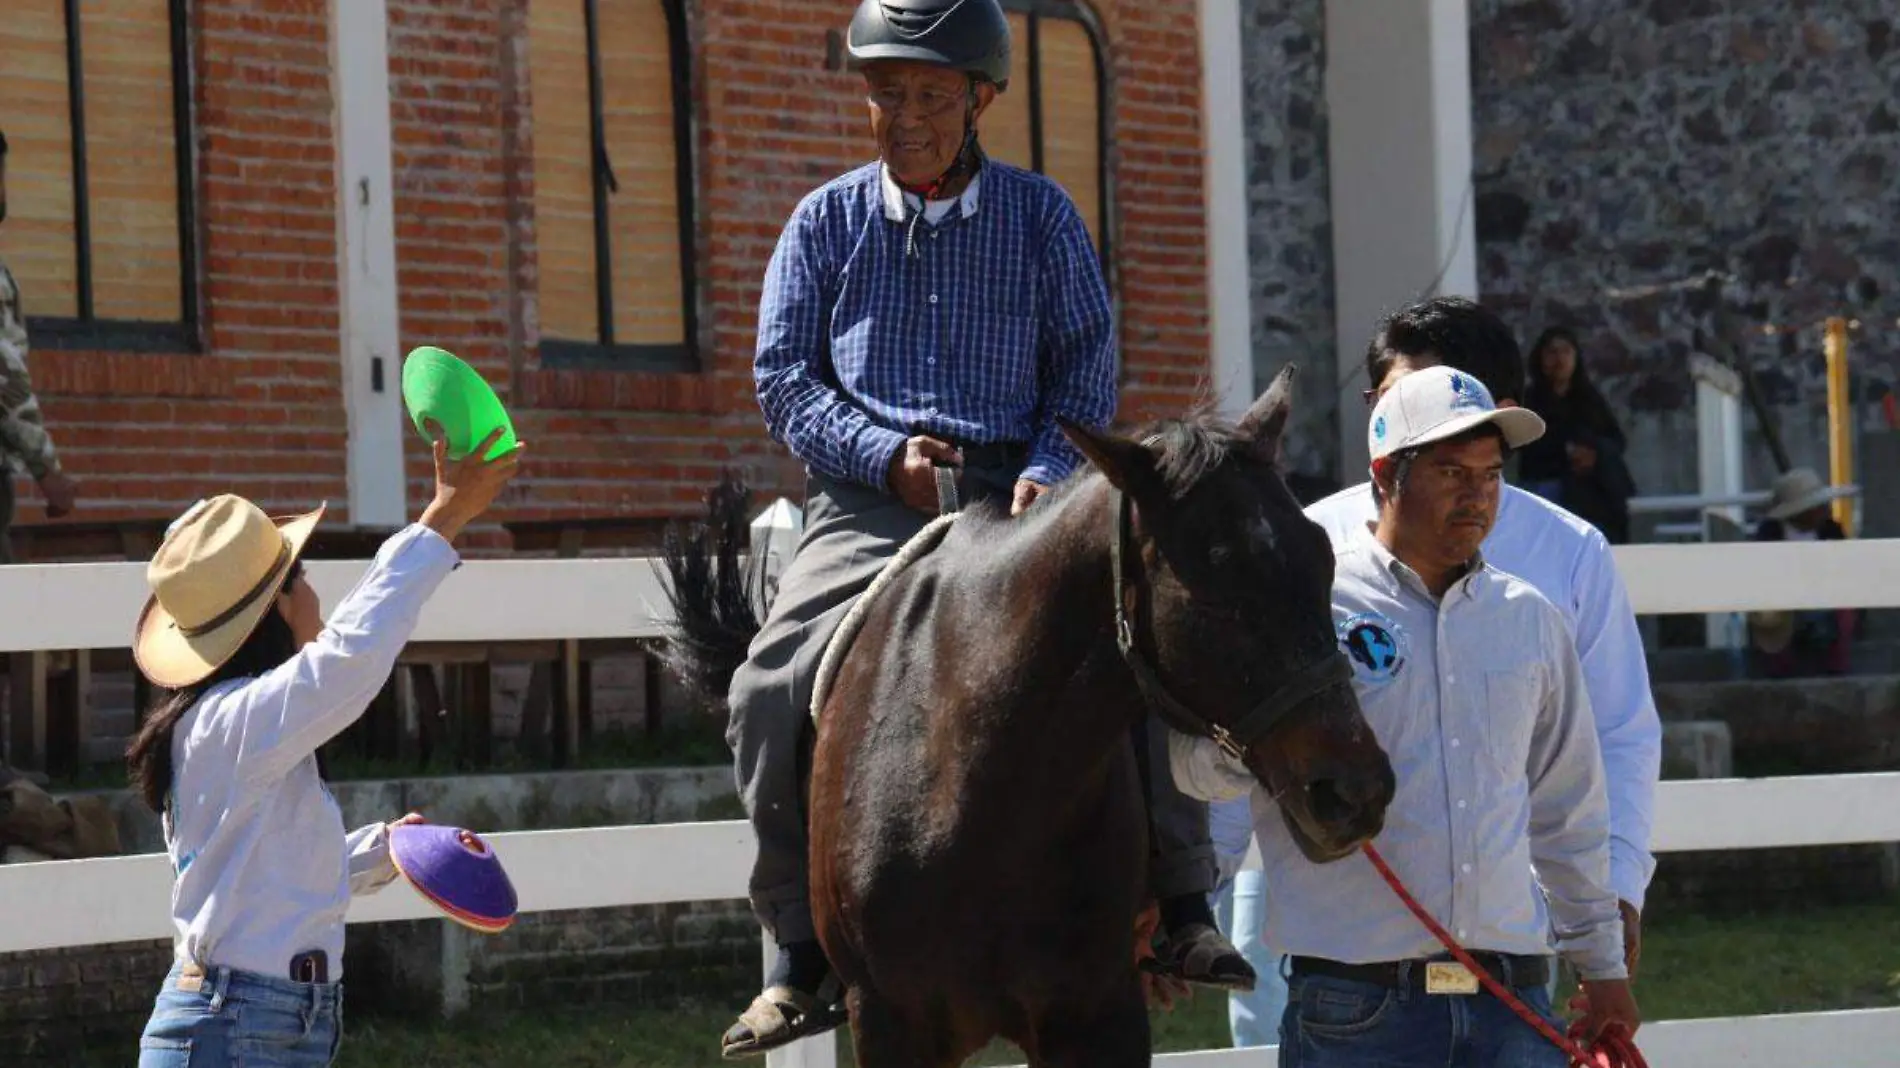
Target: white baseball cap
(1437, 403)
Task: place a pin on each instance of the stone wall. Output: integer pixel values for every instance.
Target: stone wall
(1621, 144)
(1634, 144)
(1290, 222)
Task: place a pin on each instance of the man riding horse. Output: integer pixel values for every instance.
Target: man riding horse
(932, 309)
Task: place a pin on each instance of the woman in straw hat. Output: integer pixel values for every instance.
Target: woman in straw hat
(251, 682)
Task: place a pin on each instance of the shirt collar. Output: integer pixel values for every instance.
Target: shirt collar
(899, 205)
(1397, 575)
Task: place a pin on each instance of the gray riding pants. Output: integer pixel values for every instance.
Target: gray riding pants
(851, 532)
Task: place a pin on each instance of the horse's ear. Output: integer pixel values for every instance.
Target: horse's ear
(1265, 423)
(1126, 464)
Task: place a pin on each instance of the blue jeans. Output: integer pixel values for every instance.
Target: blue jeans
(243, 1018)
(1253, 1017)
(1335, 1023)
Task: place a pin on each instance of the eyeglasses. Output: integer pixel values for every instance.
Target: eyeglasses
(929, 103)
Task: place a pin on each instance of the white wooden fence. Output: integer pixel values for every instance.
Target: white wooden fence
(89, 902)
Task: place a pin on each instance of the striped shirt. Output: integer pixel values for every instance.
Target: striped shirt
(1479, 702)
(982, 326)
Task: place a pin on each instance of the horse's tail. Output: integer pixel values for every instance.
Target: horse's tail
(714, 618)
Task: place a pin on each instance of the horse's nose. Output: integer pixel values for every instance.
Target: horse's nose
(1366, 788)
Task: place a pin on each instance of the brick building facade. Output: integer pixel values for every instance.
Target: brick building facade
(186, 344)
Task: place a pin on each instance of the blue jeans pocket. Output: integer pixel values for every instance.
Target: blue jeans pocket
(1334, 1009)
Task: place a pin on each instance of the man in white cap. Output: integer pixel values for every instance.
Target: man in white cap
(1473, 686)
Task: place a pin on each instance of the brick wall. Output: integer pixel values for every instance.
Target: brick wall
(260, 410)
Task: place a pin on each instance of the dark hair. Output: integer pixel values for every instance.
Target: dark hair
(1461, 334)
(149, 757)
(3, 144)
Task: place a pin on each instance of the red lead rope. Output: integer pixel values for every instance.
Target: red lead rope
(1613, 1048)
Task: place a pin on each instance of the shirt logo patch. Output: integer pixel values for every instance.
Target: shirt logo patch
(1378, 428)
(1376, 646)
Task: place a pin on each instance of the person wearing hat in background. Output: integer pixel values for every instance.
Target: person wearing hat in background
(251, 682)
(934, 307)
(1813, 642)
(1500, 824)
(25, 445)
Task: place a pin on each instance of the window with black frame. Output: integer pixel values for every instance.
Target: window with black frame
(1052, 119)
(95, 101)
(613, 196)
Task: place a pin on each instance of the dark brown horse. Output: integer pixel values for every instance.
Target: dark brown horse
(979, 837)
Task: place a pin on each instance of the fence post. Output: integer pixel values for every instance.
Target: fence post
(1719, 438)
(818, 1051)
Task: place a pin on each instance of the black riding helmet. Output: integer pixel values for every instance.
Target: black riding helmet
(967, 35)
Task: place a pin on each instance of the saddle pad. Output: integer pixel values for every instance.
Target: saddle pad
(915, 549)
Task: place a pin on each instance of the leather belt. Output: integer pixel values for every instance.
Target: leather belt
(1509, 969)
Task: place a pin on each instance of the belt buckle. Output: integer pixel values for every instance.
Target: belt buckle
(191, 978)
(1449, 977)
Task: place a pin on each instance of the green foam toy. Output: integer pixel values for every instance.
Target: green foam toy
(439, 388)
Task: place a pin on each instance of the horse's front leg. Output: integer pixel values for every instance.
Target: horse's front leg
(884, 1036)
(1110, 1033)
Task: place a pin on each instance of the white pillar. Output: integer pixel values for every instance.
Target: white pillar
(366, 261)
(1719, 444)
(1398, 99)
(1224, 157)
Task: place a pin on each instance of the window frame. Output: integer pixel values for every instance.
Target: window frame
(1081, 15)
(85, 331)
(605, 353)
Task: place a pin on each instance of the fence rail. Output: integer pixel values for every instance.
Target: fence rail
(89, 902)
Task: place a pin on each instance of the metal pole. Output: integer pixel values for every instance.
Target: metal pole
(1840, 420)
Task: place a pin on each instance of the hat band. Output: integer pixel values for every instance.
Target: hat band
(270, 579)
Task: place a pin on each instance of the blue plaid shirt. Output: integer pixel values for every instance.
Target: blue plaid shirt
(876, 324)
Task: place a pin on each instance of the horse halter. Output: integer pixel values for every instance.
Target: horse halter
(1259, 721)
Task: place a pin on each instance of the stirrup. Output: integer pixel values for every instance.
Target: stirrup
(1200, 955)
(782, 1015)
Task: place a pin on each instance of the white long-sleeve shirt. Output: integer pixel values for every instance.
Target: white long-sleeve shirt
(265, 870)
(1568, 561)
(1478, 700)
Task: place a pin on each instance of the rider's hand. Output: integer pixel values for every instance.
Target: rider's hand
(465, 488)
(911, 476)
(1026, 494)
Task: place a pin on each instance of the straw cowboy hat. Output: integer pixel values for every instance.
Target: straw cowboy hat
(219, 570)
(1801, 489)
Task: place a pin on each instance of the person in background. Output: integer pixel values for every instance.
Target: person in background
(250, 682)
(1579, 463)
(25, 446)
(1563, 557)
(1819, 642)
(1253, 1016)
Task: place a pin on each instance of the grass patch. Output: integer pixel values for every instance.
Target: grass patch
(1833, 958)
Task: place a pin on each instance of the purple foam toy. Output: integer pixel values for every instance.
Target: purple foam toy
(457, 872)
